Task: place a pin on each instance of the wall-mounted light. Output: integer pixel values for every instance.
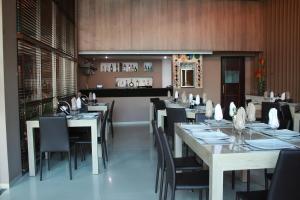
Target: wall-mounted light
(165, 57)
(106, 57)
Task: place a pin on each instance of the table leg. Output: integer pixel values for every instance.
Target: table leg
(178, 146)
(160, 118)
(94, 132)
(215, 182)
(31, 151)
(150, 117)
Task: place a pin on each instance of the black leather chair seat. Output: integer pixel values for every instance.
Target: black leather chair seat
(192, 180)
(253, 195)
(187, 163)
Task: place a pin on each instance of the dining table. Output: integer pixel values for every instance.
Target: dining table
(91, 120)
(223, 148)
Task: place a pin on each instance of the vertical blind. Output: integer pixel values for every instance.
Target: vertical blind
(46, 58)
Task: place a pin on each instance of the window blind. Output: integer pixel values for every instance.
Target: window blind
(46, 58)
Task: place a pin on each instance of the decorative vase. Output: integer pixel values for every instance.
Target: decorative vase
(260, 87)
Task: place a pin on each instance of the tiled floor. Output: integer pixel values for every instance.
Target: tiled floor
(129, 176)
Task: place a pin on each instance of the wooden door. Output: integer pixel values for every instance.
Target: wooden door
(233, 83)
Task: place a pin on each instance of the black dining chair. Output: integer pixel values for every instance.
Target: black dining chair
(54, 137)
(200, 117)
(158, 105)
(287, 119)
(110, 118)
(101, 140)
(184, 180)
(285, 181)
(174, 115)
(182, 164)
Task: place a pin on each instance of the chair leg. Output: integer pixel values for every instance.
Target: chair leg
(162, 177)
(173, 193)
(75, 156)
(165, 191)
(41, 166)
(157, 176)
(105, 148)
(112, 129)
(233, 180)
(103, 157)
(206, 194)
(70, 165)
(200, 194)
(48, 160)
(248, 180)
(266, 179)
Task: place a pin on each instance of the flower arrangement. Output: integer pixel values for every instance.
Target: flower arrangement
(260, 76)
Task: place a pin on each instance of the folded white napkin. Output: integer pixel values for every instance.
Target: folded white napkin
(197, 99)
(266, 94)
(240, 119)
(94, 96)
(273, 118)
(190, 97)
(251, 112)
(287, 95)
(232, 109)
(176, 95)
(78, 103)
(218, 112)
(183, 97)
(204, 97)
(282, 96)
(90, 96)
(209, 109)
(73, 103)
(271, 94)
(169, 94)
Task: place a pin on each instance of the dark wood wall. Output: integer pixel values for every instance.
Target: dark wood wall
(282, 46)
(218, 25)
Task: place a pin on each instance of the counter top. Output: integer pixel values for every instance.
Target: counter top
(128, 92)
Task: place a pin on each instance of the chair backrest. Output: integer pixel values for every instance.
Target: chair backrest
(287, 116)
(103, 126)
(111, 110)
(169, 162)
(200, 117)
(152, 100)
(265, 108)
(160, 151)
(286, 179)
(54, 134)
(158, 105)
(175, 115)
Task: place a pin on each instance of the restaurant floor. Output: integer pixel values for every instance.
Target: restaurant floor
(130, 175)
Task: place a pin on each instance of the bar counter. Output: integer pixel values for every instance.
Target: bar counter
(128, 92)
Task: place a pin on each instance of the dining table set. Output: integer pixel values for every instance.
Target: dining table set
(222, 147)
(90, 118)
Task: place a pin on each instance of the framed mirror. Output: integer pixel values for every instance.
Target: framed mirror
(187, 74)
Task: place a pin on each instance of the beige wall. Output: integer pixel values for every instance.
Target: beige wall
(10, 152)
(107, 79)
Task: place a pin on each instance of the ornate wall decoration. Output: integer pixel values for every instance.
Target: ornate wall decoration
(179, 60)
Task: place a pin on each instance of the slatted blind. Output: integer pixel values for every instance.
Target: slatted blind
(46, 58)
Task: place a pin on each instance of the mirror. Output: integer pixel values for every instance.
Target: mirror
(187, 74)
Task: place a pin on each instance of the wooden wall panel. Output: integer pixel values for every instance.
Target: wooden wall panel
(218, 25)
(282, 46)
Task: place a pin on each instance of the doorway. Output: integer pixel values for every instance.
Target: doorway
(232, 82)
